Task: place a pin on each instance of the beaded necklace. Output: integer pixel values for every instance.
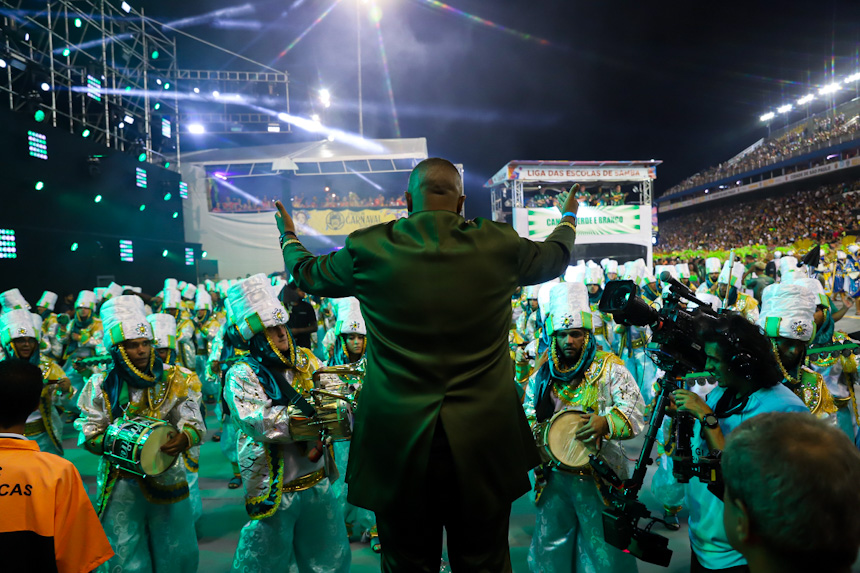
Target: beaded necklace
(556, 361)
(785, 374)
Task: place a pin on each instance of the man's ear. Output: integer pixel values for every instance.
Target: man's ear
(741, 521)
(408, 200)
(460, 203)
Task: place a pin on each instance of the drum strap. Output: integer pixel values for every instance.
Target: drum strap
(292, 396)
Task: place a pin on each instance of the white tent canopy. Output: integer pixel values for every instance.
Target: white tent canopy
(315, 157)
(247, 243)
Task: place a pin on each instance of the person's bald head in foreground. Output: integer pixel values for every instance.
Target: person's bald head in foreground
(791, 496)
(435, 185)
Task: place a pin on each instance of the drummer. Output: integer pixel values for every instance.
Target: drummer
(350, 340)
(294, 514)
(575, 374)
(147, 521)
(164, 341)
(19, 338)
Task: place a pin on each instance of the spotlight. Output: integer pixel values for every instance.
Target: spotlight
(126, 8)
(98, 199)
(157, 106)
(315, 117)
(204, 254)
(143, 207)
(785, 108)
(46, 87)
(331, 137)
(142, 157)
(216, 93)
(768, 116)
(158, 81)
(196, 128)
(197, 90)
(175, 214)
(85, 133)
(167, 196)
(325, 97)
(66, 52)
(155, 54)
(78, 23)
(164, 253)
(128, 119)
(3, 64)
(327, 189)
(40, 185)
(74, 247)
(274, 128)
(121, 125)
(39, 115)
(167, 85)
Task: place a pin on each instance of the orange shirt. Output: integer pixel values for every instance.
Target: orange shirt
(47, 522)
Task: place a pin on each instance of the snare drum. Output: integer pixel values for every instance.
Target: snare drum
(134, 445)
(556, 442)
(333, 417)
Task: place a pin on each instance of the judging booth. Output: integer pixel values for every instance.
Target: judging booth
(331, 189)
(615, 213)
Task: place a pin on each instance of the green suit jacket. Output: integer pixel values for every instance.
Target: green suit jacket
(435, 291)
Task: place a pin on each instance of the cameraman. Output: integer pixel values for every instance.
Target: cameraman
(748, 383)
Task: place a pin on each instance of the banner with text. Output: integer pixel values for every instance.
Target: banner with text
(344, 221)
(611, 224)
(580, 174)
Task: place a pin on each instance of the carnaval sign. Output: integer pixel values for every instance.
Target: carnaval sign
(343, 221)
(610, 224)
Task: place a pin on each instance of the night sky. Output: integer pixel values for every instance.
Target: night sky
(684, 82)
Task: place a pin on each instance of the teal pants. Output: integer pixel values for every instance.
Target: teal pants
(306, 530)
(147, 537)
(568, 535)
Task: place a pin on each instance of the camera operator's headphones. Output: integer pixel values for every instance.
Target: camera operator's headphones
(742, 362)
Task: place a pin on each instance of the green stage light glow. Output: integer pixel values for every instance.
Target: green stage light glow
(78, 23)
(175, 214)
(98, 199)
(40, 185)
(143, 207)
(85, 133)
(74, 247)
(155, 54)
(167, 196)
(39, 115)
(164, 253)
(157, 106)
(142, 157)
(204, 254)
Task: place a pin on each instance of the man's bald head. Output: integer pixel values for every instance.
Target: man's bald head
(435, 185)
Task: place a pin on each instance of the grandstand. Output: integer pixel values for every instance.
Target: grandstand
(816, 145)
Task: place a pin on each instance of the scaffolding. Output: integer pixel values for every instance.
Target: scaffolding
(110, 73)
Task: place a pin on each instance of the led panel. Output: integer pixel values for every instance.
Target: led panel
(94, 88)
(166, 128)
(38, 144)
(126, 251)
(183, 189)
(140, 177)
(189, 256)
(8, 246)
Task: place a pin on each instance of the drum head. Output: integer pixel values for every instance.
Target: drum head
(562, 446)
(152, 460)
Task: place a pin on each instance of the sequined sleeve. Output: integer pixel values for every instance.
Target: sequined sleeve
(529, 401)
(95, 414)
(626, 415)
(186, 414)
(252, 410)
(96, 336)
(752, 311)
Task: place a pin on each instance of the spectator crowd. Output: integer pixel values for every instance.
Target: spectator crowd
(231, 204)
(823, 214)
(795, 142)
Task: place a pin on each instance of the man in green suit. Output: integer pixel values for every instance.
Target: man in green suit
(440, 436)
